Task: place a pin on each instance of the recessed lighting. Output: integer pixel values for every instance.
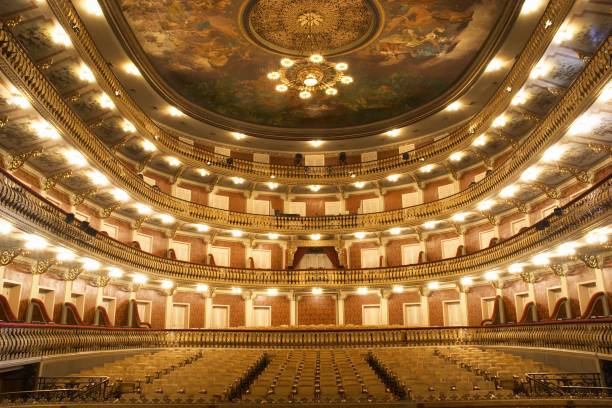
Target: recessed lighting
(331, 91)
(75, 158)
(281, 88)
(236, 291)
(540, 70)
(173, 161)
(457, 156)
(430, 224)
(317, 291)
(467, 280)
(494, 65)
(287, 62)
(90, 264)
(272, 235)
(360, 235)
(598, 236)
(131, 69)
(395, 231)
(35, 242)
(433, 285)
(85, 74)
(237, 233)
(148, 146)
(316, 143)
(238, 180)
(114, 272)
(540, 259)
(398, 289)
(120, 195)
(18, 100)
(480, 140)
(584, 124)
(139, 279)
(393, 177)
(98, 178)
(345, 79)
(272, 292)
(454, 107)
(314, 188)
(491, 275)
(515, 268)
(500, 121)
(201, 227)
(520, 98)
(202, 287)
(274, 75)
(362, 291)
(65, 255)
(44, 130)
(316, 58)
(166, 218)
(174, 112)
(459, 217)
(508, 191)
(565, 33)
(5, 227)
(105, 101)
(93, 7)
(359, 184)
(272, 185)
(393, 132)
(315, 237)
(203, 172)
(567, 249)
(485, 205)
(530, 6)
(127, 126)
(166, 284)
(427, 168)
(303, 94)
(554, 153)
(530, 174)
(341, 66)
(143, 209)
(238, 135)
(59, 36)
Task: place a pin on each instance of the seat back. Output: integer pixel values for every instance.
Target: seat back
(71, 315)
(101, 317)
(6, 314)
(37, 312)
(598, 306)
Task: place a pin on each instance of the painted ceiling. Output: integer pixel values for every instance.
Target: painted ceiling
(403, 54)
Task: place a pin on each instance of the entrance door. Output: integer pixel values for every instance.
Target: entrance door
(262, 316)
(412, 314)
(220, 317)
(371, 315)
(452, 314)
(180, 316)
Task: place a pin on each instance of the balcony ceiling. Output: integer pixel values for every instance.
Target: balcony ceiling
(408, 59)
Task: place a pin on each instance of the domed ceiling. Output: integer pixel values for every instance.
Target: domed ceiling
(212, 57)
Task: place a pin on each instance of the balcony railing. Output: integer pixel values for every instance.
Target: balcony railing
(20, 341)
(22, 71)
(30, 211)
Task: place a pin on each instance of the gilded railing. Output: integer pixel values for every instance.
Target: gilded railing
(26, 76)
(32, 213)
(28, 341)
(374, 170)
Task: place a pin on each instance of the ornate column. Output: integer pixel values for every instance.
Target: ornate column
(293, 305)
(595, 262)
(248, 308)
(424, 292)
(2, 273)
(530, 279)
(169, 307)
(68, 276)
(100, 282)
(340, 297)
(133, 289)
(384, 306)
(561, 272)
(463, 303)
(499, 286)
(208, 307)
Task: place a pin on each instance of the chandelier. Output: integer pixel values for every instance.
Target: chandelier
(310, 75)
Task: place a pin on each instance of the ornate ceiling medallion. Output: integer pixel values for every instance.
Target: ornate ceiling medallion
(300, 27)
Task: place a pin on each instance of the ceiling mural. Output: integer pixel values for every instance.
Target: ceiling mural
(402, 55)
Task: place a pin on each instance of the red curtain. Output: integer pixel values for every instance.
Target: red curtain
(329, 251)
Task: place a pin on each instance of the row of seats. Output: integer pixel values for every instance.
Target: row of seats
(426, 377)
(505, 370)
(318, 375)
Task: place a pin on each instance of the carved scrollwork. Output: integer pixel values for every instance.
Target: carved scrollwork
(592, 261)
(600, 147)
(100, 281)
(42, 266)
(106, 212)
(551, 192)
(72, 273)
(528, 277)
(582, 176)
(520, 206)
(80, 198)
(51, 181)
(19, 160)
(558, 269)
(140, 220)
(7, 256)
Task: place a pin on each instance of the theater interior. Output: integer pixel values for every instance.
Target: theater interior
(210, 203)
